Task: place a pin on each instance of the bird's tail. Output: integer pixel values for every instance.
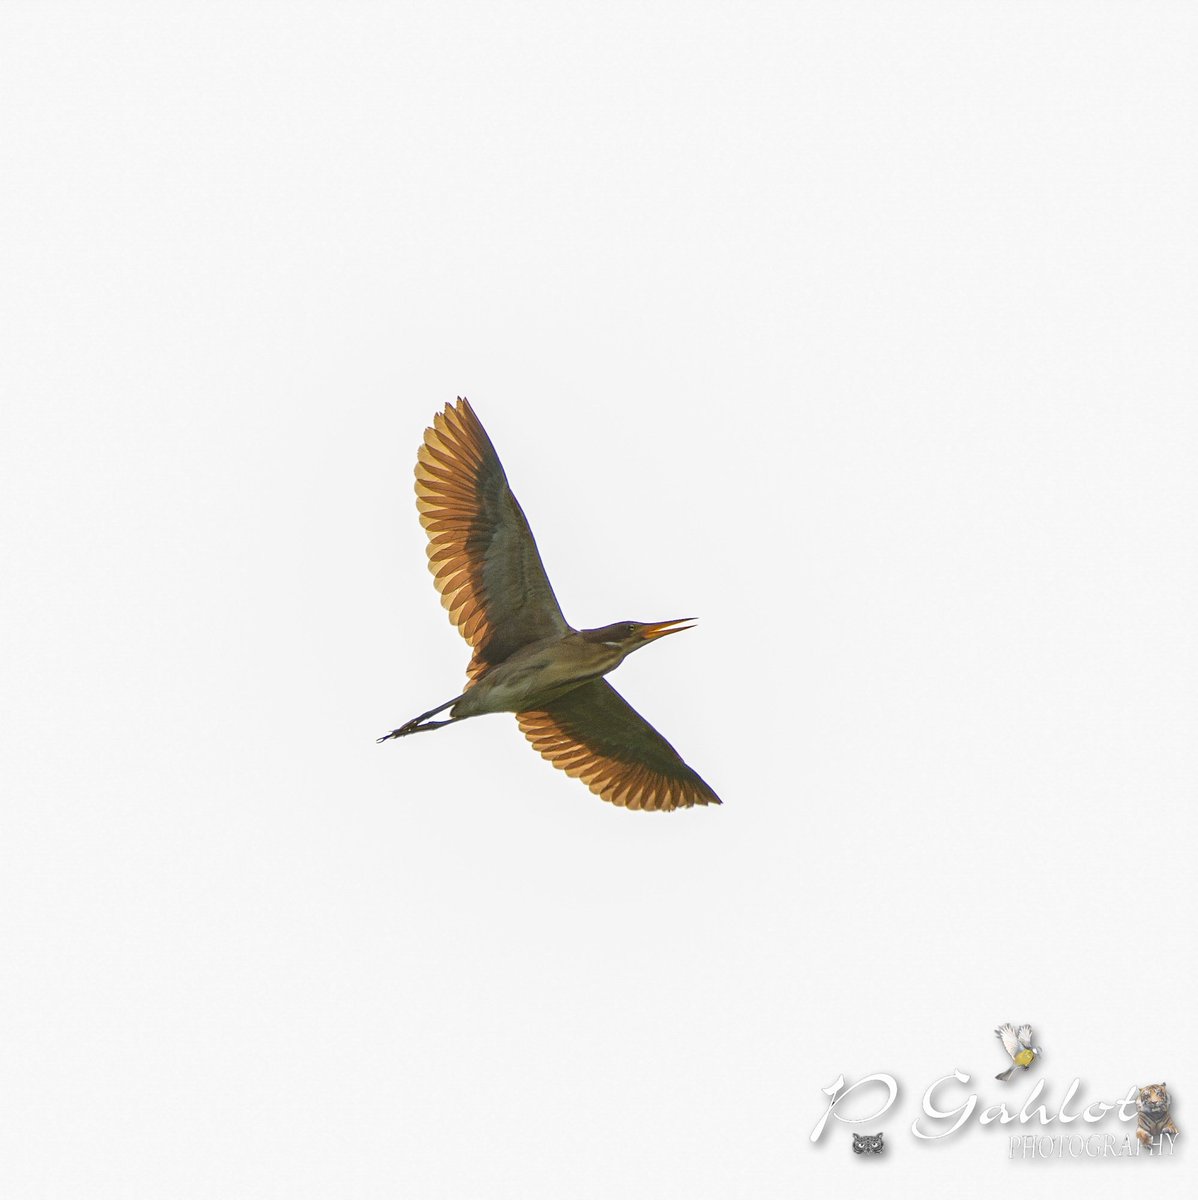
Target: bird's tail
(1006, 1074)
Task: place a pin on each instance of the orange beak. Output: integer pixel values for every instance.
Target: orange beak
(661, 628)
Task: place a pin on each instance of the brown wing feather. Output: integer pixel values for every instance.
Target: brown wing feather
(595, 735)
(480, 549)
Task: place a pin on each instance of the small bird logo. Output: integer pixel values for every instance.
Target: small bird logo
(1018, 1044)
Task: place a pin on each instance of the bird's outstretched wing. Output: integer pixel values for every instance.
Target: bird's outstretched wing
(480, 550)
(1025, 1036)
(1009, 1039)
(595, 735)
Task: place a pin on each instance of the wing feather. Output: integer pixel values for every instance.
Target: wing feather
(594, 734)
(482, 554)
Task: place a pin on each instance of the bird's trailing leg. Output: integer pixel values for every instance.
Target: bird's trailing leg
(422, 723)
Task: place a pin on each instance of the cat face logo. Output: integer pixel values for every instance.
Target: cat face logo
(871, 1143)
(1152, 1109)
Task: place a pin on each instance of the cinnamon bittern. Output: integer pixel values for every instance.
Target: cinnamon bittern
(527, 660)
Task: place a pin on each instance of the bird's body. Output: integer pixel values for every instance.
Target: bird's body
(527, 659)
(537, 674)
(1018, 1045)
(534, 676)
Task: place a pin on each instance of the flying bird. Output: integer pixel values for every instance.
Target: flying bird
(527, 660)
(1018, 1044)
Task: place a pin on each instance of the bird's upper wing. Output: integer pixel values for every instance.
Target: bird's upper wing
(594, 734)
(1025, 1036)
(480, 550)
(1009, 1038)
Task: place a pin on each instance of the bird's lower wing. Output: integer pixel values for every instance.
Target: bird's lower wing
(480, 549)
(594, 734)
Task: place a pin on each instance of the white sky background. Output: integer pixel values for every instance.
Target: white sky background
(862, 332)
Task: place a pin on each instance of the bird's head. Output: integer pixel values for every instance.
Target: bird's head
(632, 635)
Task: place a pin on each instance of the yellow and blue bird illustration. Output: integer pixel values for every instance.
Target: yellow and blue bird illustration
(1018, 1044)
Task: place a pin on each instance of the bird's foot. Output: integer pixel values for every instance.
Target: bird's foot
(415, 725)
(421, 723)
(412, 726)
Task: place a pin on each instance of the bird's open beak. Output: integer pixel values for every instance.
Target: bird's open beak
(661, 628)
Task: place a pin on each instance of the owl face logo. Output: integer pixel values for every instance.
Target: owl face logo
(870, 1143)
